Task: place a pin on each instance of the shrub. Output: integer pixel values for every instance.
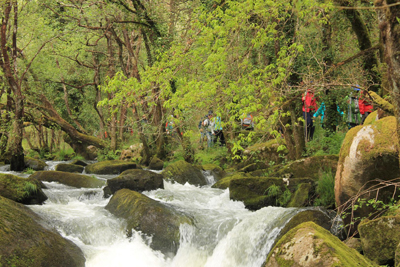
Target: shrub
(325, 190)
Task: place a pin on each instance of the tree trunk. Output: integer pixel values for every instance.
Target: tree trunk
(364, 42)
(390, 35)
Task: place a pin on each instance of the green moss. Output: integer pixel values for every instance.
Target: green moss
(16, 188)
(226, 181)
(300, 196)
(110, 167)
(327, 246)
(67, 178)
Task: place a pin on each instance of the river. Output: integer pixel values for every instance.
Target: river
(226, 233)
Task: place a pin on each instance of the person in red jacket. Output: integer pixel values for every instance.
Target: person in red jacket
(364, 106)
(309, 107)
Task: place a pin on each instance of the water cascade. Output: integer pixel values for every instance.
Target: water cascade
(226, 233)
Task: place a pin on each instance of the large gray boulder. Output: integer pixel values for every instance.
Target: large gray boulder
(22, 190)
(110, 167)
(67, 178)
(151, 217)
(183, 172)
(137, 180)
(368, 152)
(310, 245)
(26, 242)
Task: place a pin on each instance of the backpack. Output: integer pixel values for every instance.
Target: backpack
(247, 121)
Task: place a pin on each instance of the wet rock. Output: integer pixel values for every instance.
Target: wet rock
(79, 162)
(225, 182)
(380, 238)
(110, 167)
(64, 167)
(137, 180)
(151, 217)
(354, 243)
(26, 242)
(300, 197)
(91, 152)
(67, 178)
(156, 164)
(22, 190)
(214, 170)
(183, 172)
(310, 245)
(34, 164)
(255, 191)
(368, 153)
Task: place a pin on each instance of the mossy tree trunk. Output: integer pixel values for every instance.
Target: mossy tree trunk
(370, 60)
(388, 15)
(8, 63)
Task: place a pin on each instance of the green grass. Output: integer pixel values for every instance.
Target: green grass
(326, 190)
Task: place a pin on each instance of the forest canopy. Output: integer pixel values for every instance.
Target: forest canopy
(96, 72)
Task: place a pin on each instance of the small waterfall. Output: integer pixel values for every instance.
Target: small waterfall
(225, 232)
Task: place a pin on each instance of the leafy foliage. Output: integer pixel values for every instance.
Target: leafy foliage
(326, 190)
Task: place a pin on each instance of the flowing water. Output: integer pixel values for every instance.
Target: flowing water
(226, 233)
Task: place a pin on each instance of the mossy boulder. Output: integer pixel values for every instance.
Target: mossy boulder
(214, 170)
(35, 164)
(156, 164)
(79, 162)
(22, 190)
(110, 167)
(151, 217)
(254, 191)
(64, 167)
(254, 167)
(26, 242)
(225, 182)
(183, 172)
(308, 244)
(300, 197)
(380, 238)
(267, 152)
(368, 153)
(318, 216)
(371, 118)
(137, 180)
(67, 178)
(308, 167)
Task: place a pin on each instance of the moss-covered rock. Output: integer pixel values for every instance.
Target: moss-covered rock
(67, 178)
(34, 164)
(110, 167)
(371, 118)
(150, 217)
(379, 238)
(253, 167)
(267, 152)
(156, 164)
(354, 243)
(137, 180)
(79, 162)
(225, 182)
(310, 245)
(214, 170)
(183, 172)
(22, 190)
(25, 242)
(64, 167)
(300, 197)
(308, 167)
(253, 191)
(368, 153)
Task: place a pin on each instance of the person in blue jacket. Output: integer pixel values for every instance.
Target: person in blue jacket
(321, 112)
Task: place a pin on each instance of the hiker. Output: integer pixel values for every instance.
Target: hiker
(321, 112)
(201, 129)
(218, 131)
(353, 109)
(208, 128)
(364, 106)
(247, 122)
(309, 107)
(169, 126)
